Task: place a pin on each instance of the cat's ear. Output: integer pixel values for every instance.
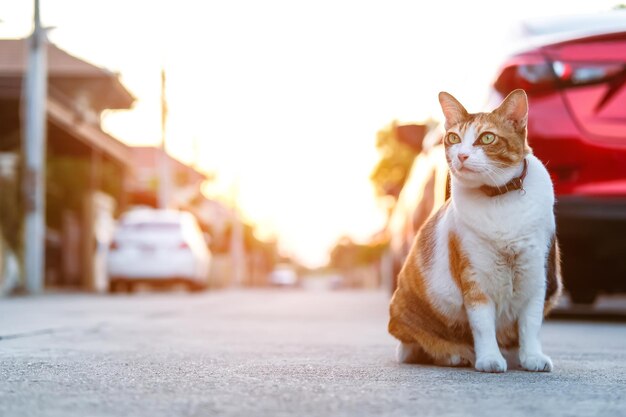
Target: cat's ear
(452, 109)
(514, 109)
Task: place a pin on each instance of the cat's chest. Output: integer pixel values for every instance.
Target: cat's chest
(504, 220)
(503, 269)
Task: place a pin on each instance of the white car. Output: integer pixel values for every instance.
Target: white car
(153, 246)
(284, 275)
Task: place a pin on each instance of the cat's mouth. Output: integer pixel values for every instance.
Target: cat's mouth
(464, 169)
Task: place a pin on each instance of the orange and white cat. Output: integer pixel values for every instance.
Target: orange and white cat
(484, 269)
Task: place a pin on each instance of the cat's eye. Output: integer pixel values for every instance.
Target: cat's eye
(487, 138)
(453, 138)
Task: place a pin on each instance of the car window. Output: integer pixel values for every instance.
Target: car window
(550, 26)
(150, 231)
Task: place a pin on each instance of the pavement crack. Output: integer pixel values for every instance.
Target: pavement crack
(30, 334)
(49, 331)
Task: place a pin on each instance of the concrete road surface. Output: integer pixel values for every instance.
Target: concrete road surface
(273, 353)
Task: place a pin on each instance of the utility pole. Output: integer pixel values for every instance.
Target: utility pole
(164, 163)
(195, 146)
(34, 150)
(237, 248)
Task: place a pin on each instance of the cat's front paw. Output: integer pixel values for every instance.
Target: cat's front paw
(491, 363)
(536, 362)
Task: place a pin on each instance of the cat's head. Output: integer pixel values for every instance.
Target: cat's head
(485, 148)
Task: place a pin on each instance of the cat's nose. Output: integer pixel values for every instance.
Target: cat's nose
(462, 157)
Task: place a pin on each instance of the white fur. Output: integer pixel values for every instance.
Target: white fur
(518, 222)
(404, 352)
(488, 357)
(444, 293)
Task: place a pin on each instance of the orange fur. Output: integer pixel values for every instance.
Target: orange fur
(554, 284)
(460, 270)
(413, 318)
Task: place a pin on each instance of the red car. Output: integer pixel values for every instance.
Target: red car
(575, 78)
(574, 72)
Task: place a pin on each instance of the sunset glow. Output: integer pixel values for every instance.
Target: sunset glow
(281, 100)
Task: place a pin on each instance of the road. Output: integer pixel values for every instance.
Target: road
(273, 353)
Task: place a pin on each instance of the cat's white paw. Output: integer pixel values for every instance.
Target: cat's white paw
(404, 351)
(493, 362)
(536, 362)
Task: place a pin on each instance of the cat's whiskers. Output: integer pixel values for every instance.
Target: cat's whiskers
(492, 171)
(495, 183)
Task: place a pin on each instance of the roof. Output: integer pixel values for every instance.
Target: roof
(147, 157)
(63, 66)
(87, 133)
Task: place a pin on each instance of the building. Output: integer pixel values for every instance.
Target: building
(143, 185)
(86, 168)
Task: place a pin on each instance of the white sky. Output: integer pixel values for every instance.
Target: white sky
(284, 98)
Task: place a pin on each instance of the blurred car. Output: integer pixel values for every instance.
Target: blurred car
(424, 191)
(284, 275)
(574, 72)
(162, 247)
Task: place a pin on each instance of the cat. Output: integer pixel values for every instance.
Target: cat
(484, 269)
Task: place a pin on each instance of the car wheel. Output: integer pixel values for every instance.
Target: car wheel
(113, 286)
(195, 287)
(584, 296)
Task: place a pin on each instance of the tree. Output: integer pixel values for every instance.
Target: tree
(347, 254)
(398, 148)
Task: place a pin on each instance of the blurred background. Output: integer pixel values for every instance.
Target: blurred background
(218, 144)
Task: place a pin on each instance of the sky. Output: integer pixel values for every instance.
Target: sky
(282, 99)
